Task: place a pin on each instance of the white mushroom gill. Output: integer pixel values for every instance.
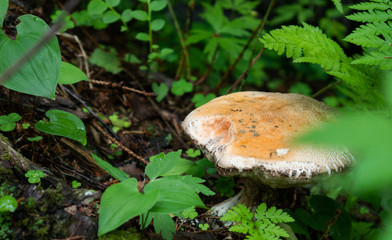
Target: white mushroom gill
(282, 151)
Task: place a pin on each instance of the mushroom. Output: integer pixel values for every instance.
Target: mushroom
(249, 134)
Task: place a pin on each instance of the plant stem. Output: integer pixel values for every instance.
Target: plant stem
(149, 25)
(324, 89)
(332, 222)
(182, 42)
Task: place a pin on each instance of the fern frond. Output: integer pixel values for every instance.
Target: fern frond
(308, 43)
(376, 59)
(369, 35)
(275, 230)
(380, 5)
(371, 16)
(272, 214)
(338, 5)
(240, 213)
(242, 228)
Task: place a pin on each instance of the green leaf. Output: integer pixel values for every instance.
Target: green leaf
(199, 99)
(110, 16)
(131, 58)
(113, 171)
(113, 3)
(8, 122)
(34, 139)
(194, 183)
(160, 90)
(193, 153)
(3, 11)
(161, 164)
(34, 176)
(8, 204)
(126, 15)
(165, 225)
(70, 74)
(121, 202)
(96, 7)
(140, 15)
(181, 87)
(174, 195)
(107, 60)
(189, 213)
(63, 124)
(158, 5)
(157, 24)
(143, 37)
(40, 74)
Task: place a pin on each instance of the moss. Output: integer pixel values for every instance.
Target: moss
(130, 233)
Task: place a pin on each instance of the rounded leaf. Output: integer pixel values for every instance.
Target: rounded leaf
(96, 7)
(63, 124)
(126, 15)
(40, 74)
(8, 204)
(158, 5)
(140, 15)
(157, 24)
(143, 37)
(110, 16)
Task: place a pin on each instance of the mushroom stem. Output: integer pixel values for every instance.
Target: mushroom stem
(251, 195)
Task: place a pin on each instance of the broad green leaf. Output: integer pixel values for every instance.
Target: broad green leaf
(181, 87)
(158, 5)
(40, 74)
(113, 3)
(96, 7)
(174, 195)
(157, 24)
(108, 60)
(131, 58)
(143, 37)
(181, 166)
(3, 10)
(69, 74)
(113, 171)
(140, 15)
(121, 202)
(110, 16)
(8, 122)
(164, 225)
(161, 164)
(63, 124)
(126, 15)
(8, 204)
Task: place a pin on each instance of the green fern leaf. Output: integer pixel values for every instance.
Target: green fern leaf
(272, 214)
(381, 5)
(275, 230)
(242, 228)
(306, 44)
(376, 59)
(371, 16)
(240, 213)
(374, 35)
(338, 5)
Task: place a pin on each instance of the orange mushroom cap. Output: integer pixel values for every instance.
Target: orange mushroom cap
(250, 134)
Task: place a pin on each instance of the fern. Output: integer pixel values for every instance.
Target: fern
(338, 5)
(261, 225)
(376, 34)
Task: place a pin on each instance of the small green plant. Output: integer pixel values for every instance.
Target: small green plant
(123, 201)
(193, 153)
(200, 99)
(34, 176)
(189, 213)
(260, 225)
(118, 123)
(8, 203)
(76, 184)
(204, 226)
(25, 125)
(8, 122)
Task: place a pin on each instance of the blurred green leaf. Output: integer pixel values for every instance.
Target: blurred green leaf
(143, 37)
(8, 204)
(8, 122)
(96, 7)
(3, 11)
(113, 3)
(110, 16)
(181, 87)
(158, 5)
(140, 15)
(107, 60)
(160, 90)
(157, 24)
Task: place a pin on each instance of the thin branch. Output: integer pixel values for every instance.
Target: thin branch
(69, 6)
(335, 218)
(129, 151)
(245, 73)
(205, 76)
(258, 29)
(324, 89)
(115, 85)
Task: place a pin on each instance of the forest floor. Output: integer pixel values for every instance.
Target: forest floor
(53, 209)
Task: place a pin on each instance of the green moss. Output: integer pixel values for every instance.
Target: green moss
(130, 233)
